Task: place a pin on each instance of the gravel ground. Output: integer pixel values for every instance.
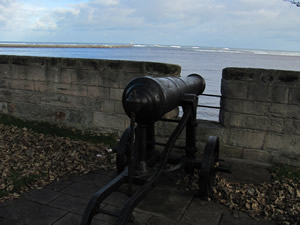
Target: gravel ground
(30, 160)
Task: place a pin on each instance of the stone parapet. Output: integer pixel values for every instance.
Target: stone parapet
(260, 113)
(80, 93)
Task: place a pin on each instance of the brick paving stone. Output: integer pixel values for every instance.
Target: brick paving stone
(43, 196)
(140, 218)
(162, 221)
(81, 190)
(244, 220)
(8, 222)
(116, 199)
(59, 185)
(75, 219)
(30, 213)
(201, 212)
(96, 179)
(70, 203)
(168, 202)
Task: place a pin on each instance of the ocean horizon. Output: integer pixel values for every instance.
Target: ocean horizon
(206, 61)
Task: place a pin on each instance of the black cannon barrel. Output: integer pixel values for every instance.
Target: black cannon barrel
(151, 97)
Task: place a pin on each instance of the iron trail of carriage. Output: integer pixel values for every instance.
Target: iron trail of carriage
(140, 166)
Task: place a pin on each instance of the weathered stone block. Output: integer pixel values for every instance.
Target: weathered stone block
(282, 142)
(75, 117)
(279, 94)
(69, 63)
(285, 111)
(230, 119)
(109, 106)
(245, 107)
(232, 73)
(53, 62)
(5, 95)
(17, 71)
(245, 138)
(233, 105)
(72, 89)
(287, 77)
(48, 112)
(42, 86)
(257, 155)
(20, 60)
(118, 107)
(133, 67)
(231, 151)
(162, 69)
(115, 93)
(89, 64)
(26, 96)
(59, 100)
(256, 122)
(234, 89)
(53, 74)
(125, 78)
(275, 124)
(5, 83)
(28, 108)
(111, 121)
(111, 79)
(3, 107)
(86, 77)
(257, 108)
(37, 61)
(12, 108)
(291, 126)
(98, 92)
(83, 103)
(125, 66)
(33, 73)
(285, 159)
(5, 59)
(5, 71)
(22, 84)
(294, 97)
(259, 92)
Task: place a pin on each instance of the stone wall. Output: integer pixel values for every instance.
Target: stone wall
(260, 114)
(80, 93)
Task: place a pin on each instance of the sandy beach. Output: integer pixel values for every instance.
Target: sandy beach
(8, 45)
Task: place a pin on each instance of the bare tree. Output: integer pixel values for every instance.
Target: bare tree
(297, 3)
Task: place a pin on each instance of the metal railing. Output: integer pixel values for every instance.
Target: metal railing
(208, 106)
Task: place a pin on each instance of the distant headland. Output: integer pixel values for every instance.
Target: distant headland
(16, 45)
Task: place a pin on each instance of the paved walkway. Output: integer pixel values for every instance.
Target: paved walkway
(63, 203)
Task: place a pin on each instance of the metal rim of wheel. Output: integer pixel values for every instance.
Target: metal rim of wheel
(207, 173)
(123, 151)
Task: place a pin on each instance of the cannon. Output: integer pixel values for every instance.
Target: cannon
(146, 100)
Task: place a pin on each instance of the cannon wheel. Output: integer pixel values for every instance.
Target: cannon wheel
(123, 150)
(207, 173)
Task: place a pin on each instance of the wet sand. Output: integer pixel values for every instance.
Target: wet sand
(8, 45)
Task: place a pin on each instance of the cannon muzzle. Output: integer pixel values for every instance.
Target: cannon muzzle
(151, 97)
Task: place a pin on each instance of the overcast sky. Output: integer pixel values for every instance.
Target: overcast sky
(256, 24)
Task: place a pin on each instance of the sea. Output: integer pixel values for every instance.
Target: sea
(206, 61)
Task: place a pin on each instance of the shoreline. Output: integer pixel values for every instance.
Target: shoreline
(62, 46)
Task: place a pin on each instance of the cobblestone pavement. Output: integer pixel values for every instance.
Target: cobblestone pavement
(63, 203)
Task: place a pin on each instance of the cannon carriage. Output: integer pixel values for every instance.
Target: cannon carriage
(139, 164)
